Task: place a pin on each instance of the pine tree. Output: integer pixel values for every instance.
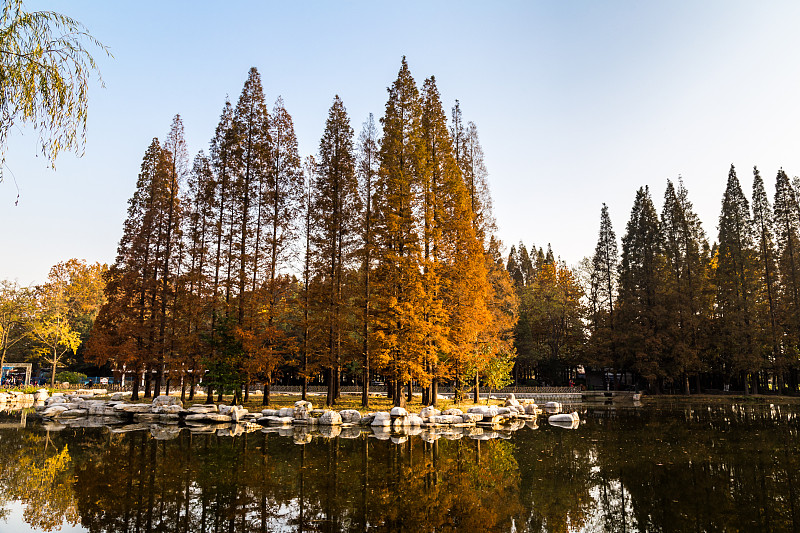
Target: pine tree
(736, 277)
(251, 121)
(602, 292)
(367, 170)
(176, 168)
(527, 265)
(684, 241)
(223, 155)
(787, 232)
(194, 286)
(470, 158)
(280, 206)
(765, 239)
(335, 222)
(398, 284)
(640, 282)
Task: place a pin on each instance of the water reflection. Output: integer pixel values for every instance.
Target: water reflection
(676, 467)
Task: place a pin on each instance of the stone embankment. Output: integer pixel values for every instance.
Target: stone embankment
(166, 417)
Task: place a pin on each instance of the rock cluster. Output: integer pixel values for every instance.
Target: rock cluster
(162, 415)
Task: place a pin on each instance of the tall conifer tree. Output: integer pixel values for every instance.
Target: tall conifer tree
(765, 240)
(367, 171)
(335, 222)
(398, 284)
(736, 277)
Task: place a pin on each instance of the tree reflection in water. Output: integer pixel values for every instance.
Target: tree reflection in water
(681, 467)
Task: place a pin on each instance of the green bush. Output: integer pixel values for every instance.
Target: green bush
(70, 377)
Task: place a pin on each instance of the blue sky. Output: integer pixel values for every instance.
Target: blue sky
(577, 103)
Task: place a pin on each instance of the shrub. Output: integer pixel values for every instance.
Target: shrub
(70, 377)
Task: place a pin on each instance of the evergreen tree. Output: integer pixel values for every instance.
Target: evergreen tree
(251, 122)
(640, 282)
(176, 168)
(765, 239)
(736, 278)
(787, 232)
(335, 223)
(367, 170)
(398, 284)
(602, 292)
(513, 268)
(684, 241)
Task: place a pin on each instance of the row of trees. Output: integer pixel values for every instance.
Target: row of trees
(674, 308)
(49, 322)
(377, 255)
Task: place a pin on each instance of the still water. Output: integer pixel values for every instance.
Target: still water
(666, 466)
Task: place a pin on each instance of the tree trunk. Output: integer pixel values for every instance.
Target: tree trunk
(397, 394)
(147, 383)
(329, 399)
(135, 390)
(183, 388)
(210, 394)
(477, 394)
(410, 391)
(191, 387)
(434, 392)
(265, 400)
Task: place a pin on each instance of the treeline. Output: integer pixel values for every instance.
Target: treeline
(676, 312)
(49, 323)
(375, 257)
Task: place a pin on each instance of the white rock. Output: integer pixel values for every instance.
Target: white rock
(207, 417)
(382, 418)
(239, 414)
(443, 419)
(511, 401)
(471, 417)
(414, 420)
(485, 410)
(54, 411)
(453, 411)
(269, 412)
(286, 411)
(302, 410)
(41, 395)
(277, 420)
(532, 409)
(134, 407)
(330, 418)
(398, 411)
(429, 411)
(204, 408)
(74, 413)
(350, 416)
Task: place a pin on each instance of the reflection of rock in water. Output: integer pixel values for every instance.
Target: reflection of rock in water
(159, 432)
(53, 426)
(301, 435)
(566, 424)
(330, 432)
(381, 432)
(533, 424)
(351, 432)
(129, 428)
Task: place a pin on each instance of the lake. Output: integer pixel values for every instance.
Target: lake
(669, 465)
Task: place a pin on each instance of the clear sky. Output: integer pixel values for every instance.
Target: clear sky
(577, 103)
